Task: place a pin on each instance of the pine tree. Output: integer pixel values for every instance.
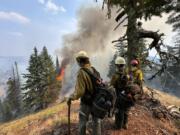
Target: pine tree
(18, 89)
(58, 83)
(176, 47)
(174, 18)
(1, 111)
(6, 111)
(32, 88)
(41, 87)
(51, 88)
(13, 93)
(57, 66)
(173, 68)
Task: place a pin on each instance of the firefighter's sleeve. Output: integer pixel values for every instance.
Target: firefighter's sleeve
(79, 87)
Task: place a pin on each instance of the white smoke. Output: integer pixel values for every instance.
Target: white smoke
(94, 35)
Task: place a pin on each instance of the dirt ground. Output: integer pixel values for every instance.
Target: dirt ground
(141, 122)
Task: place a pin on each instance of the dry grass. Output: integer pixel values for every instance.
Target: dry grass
(17, 126)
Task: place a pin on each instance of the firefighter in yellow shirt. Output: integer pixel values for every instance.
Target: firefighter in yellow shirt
(136, 74)
(119, 81)
(83, 90)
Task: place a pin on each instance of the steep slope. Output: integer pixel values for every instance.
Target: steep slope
(53, 121)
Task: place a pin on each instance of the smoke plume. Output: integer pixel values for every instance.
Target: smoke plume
(94, 35)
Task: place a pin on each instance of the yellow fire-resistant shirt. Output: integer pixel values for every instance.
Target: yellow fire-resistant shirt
(83, 83)
(136, 76)
(114, 79)
(118, 82)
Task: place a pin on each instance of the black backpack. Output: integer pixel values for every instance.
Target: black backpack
(101, 100)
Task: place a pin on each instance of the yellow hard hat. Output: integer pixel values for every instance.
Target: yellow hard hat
(120, 60)
(82, 54)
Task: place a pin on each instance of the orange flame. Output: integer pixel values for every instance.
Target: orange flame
(61, 75)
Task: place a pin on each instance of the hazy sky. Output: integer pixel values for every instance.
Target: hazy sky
(28, 23)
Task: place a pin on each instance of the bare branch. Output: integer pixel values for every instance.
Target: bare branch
(119, 10)
(119, 40)
(158, 72)
(120, 15)
(103, 4)
(150, 63)
(120, 23)
(118, 45)
(153, 35)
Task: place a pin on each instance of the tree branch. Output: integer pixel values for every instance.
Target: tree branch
(120, 15)
(119, 40)
(153, 35)
(158, 72)
(120, 23)
(150, 63)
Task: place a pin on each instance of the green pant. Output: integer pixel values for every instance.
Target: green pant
(84, 113)
(121, 118)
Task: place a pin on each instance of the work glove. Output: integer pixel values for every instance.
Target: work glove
(69, 101)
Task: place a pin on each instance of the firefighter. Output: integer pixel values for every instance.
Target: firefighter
(83, 90)
(120, 81)
(136, 74)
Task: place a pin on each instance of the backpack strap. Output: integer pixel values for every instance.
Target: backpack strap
(88, 96)
(96, 72)
(95, 78)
